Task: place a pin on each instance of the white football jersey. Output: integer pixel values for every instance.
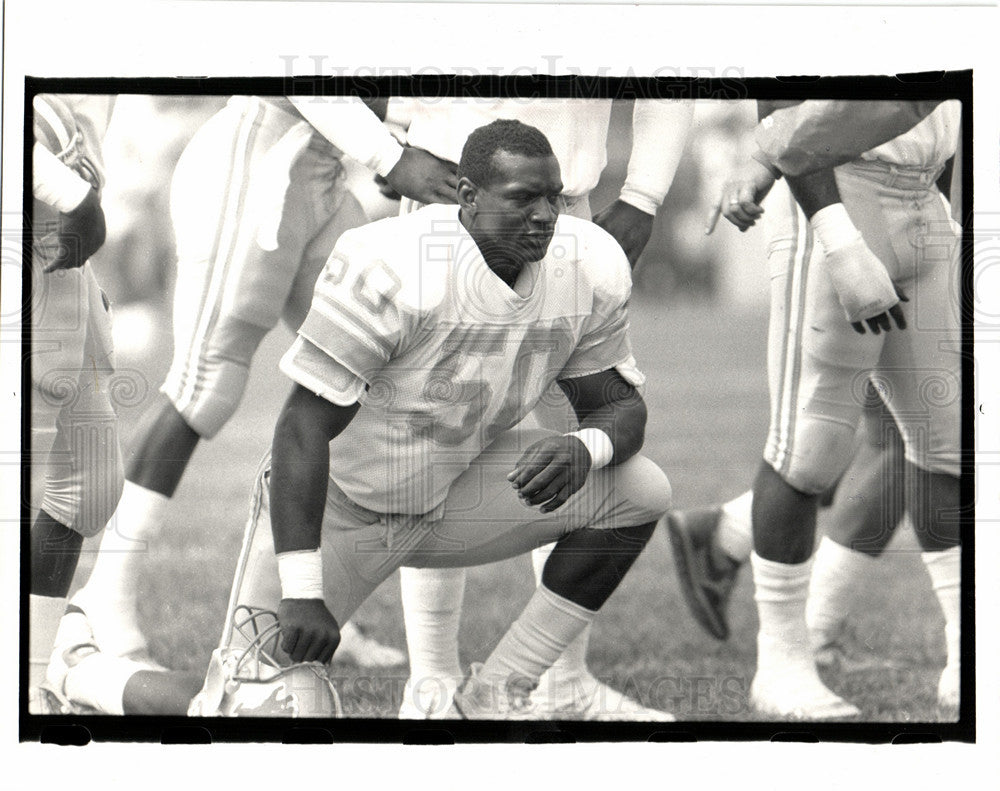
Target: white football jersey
(449, 354)
(926, 146)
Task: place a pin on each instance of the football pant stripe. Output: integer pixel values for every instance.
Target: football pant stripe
(791, 363)
(55, 127)
(191, 369)
(227, 246)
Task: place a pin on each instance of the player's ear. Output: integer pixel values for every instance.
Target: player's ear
(467, 192)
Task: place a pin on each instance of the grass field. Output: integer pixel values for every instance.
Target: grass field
(708, 406)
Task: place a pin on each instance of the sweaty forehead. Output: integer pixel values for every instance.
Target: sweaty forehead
(512, 168)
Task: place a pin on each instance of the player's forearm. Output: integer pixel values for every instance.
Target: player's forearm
(624, 421)
(56, 184)
(819, 134)
(300, 467)
(659, 133)
(814, 191)
(353, 128)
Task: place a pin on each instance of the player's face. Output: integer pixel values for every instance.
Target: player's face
(517, 212)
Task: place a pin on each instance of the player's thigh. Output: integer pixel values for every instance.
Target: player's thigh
(484, 519)
(348, 214)
(83, 469)
(817, 365)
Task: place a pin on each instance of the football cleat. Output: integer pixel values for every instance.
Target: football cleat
(706, 587)
(431, 698)
(249, 681)
(362, 649)
(948, 693)
(483, 699)
(798, 695)
(583, 697)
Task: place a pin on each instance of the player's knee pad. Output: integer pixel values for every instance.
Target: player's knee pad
(206, 382)
(212, 404)
(813, 465)
(86, 500)
(641, 481)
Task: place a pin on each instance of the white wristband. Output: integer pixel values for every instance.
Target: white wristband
(301, 574)
(598, 444)
(833, 227)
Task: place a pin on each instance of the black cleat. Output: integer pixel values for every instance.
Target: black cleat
(706, 587)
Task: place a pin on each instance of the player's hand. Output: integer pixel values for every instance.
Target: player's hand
(423, 177)
(883, 321)
(741, 196)
(864, 288)
(630, 226)
(309, 633)
(80, 234)
(550, 472)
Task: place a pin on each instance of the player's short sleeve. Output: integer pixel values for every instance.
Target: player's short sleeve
(314, 369)
(355, 317)
(605, 343)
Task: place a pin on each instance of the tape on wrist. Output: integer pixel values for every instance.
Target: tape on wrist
(301, 574)
(598, 444)
(833, 227)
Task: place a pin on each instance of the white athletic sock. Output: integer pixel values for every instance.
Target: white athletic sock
(44, 614)
(432, 608)
(735, 536)
(99, 680)
(780, 592)
(945, 569)
(836, 573)
(110, 595)
(543, 630)
(572, 663)
(124, 544)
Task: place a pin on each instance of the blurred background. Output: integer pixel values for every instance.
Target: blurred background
(148, 133)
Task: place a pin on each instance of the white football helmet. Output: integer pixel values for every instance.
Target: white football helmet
(249, 682)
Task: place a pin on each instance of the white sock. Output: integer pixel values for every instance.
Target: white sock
(113, 582)
(837, 571)
(99, 680)
(735, 536)
(124, 545)
(44, 614)
(572, 663)
(780, 592)
(945, 569)
(543, 630)
(432, 608)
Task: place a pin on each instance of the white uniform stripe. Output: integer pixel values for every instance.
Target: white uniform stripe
(792, 350)
(227, 244)
(55, 123)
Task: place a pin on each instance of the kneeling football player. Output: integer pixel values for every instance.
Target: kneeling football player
(429, 338)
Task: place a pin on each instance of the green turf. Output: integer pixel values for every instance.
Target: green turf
(708, 410)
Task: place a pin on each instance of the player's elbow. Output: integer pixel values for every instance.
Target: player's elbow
(629, 428)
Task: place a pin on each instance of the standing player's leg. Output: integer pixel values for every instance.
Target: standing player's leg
(74, 446)
(816, 362)
(866, 508)
(920, 381)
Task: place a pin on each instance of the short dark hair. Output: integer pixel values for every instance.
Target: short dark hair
(504, 134)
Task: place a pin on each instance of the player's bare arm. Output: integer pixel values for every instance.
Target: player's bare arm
(424, 177)
(80, 226)
(863, 286)
(300, 465)
(659, 133)
(630, 226)
(554, 468)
